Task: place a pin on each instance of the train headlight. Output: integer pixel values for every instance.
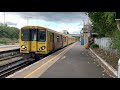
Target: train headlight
(23, 47)
(42, 48)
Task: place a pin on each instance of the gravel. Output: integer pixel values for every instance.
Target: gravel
(111, 59)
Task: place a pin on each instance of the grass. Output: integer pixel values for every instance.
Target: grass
(111, 59)
(7, 41)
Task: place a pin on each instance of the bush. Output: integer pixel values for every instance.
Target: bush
(116, 40)
(8, 32)
(5, 40)
(94, 46)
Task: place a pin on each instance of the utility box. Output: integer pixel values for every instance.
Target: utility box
(82, 41)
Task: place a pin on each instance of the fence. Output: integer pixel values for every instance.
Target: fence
(104, 43)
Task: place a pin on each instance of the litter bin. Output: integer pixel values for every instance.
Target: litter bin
(86, 46)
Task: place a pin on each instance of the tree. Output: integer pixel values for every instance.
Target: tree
(9, 32)
(103, 23)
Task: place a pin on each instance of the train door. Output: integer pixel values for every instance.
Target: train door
(67, 40)
(52, 40)
(62, 41)
(33, 40)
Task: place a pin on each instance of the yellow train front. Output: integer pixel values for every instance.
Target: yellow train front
(36, 40)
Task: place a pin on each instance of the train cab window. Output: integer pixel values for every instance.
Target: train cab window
(33, 35)
(25, 35)
(42, 36)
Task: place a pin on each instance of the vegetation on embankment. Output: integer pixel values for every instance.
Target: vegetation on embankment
(104, 24)
(94, 46)
(8, 34)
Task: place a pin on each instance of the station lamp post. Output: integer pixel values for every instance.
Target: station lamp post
(4, 17)
(117, 18)
(28, 19)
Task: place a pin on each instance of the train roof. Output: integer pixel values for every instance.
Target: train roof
(47, 29)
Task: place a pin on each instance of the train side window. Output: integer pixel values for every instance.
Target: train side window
(58, 39)
(65, 39)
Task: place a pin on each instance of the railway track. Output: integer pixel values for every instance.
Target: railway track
(10, 68)
(10, 61)
(9, 53)
(10, 65)
(14, 62)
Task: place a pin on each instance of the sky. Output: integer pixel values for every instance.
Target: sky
(58, 21)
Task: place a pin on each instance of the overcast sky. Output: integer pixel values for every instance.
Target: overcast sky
(59, 21)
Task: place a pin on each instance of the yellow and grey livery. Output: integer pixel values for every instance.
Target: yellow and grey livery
(41, 40)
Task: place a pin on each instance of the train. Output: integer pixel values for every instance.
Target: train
(38, 41)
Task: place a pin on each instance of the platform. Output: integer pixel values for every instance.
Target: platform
(70, 62)
(8, 47)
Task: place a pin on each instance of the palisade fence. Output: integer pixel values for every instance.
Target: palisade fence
(104, 43)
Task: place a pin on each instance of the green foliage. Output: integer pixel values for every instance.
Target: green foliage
(8, 32)
(94, 46)
(5, 40)
(103, 23)
(116, 40)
